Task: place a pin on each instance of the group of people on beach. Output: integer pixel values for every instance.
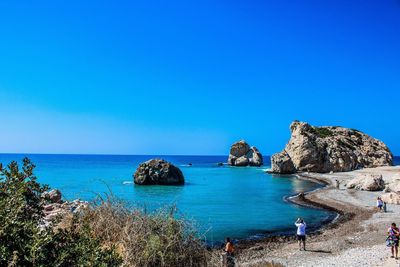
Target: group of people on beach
(393, 233)
(229, 259)
(392, 240)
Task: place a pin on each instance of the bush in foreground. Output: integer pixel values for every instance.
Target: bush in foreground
(147, 239)
(107, 233)
(23, 242)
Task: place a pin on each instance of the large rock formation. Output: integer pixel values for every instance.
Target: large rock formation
(241, 154)
(326, 149)
(158, 172)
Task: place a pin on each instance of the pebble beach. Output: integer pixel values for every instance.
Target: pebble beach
(356, 238)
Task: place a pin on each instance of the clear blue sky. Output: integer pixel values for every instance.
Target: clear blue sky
(191, 77)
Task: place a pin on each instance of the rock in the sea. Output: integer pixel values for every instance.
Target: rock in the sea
(326, 149)
(391, 198)
(367, 182)
(53, 196)
(158, 172)
(241, 154)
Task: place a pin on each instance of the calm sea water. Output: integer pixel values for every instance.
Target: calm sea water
(224, 201)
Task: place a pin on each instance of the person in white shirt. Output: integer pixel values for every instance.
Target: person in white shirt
(379, 203)
(301, 233)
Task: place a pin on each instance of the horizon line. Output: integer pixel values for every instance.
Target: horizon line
(102, 154)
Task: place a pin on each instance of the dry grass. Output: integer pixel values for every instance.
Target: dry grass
(147, 239)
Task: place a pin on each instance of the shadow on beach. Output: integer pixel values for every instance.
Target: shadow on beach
(319, 251)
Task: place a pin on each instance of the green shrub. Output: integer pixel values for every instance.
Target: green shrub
(322, 132)
(23, 242)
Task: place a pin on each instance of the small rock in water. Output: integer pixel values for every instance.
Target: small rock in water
(241, 154)
(158, 172)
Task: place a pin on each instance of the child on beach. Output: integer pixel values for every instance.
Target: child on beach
(301, 233)
(392, 240)
(379, 203)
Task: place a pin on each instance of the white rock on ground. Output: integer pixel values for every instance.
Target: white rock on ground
(367, 182)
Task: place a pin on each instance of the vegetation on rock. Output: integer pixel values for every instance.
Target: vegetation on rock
(322, 132)
(326, 149)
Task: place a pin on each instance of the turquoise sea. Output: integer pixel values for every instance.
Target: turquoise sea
(224, 201)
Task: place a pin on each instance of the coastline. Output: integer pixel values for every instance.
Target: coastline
(288, 233)
(341, 239)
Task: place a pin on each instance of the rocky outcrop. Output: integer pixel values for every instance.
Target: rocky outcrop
(391, 198)
(326, 149)
(394, 185)
(158, 172)
(54, 208)
(282, 163)
(54, 196)
(241, 154)
(367, 182)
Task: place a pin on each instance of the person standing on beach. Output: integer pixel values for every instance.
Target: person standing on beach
(301, 233)
(393, 239)
(230, 260)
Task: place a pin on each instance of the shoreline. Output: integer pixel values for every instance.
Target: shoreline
(274, 235)
(341, 238)
(278, 236)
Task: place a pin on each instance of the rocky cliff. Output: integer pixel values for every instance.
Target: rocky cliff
(241, 154)
(326, 149)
